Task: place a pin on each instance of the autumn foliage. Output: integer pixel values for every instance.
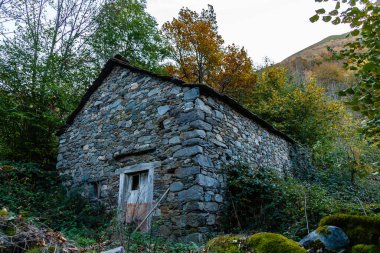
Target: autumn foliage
(199, 56)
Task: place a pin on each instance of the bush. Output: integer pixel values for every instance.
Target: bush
(273, 243)
(251, 202)
(360, 229)
(252, 207)
(363, 248)
(30, 191)
(227, 244)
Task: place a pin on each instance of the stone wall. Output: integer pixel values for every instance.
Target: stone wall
(136, 118)
(226, 138)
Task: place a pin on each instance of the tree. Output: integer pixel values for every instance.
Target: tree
(196, 46)
(43, 70)
(362, 56)
(50, 54)
(199, 55)
(235, 76)
(301, 111)
(124, 27)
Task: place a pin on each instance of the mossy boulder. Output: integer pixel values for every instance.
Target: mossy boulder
(360, 229)
(273, 243)
(226, 243)
(331, 237)
(364, 248)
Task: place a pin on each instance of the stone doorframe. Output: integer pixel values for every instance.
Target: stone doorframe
(124, 174)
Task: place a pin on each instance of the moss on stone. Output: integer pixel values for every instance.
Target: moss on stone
(364, 248)
(359, 229)
(323, 230)
(227, 244)
(273, 243)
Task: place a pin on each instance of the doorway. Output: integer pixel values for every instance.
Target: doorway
(136, 194)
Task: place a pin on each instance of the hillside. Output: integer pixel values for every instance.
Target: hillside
(318, 51)
(315, 63)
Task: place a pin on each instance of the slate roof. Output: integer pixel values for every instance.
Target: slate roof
(119, 61)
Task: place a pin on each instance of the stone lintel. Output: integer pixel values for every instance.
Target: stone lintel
(138, 167)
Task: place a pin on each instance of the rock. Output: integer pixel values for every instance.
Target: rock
(200, 124)
(211, 219)
(218, 115)
(194, 134)
(153, 92)
(190, 151)
(204, 161)
(130, 106)
(115, 250)
(187, 171)
(218, 198)
(187, 117)
(191, 94)
(116, 103)
(98, 103)
(211, 206)
(175, 90)
(207, 181)
(199, 104)
(193, 206)
(174, 140)
(134, 86)
(192, 142)
(333, 238)
(163, 109)
(193, 193)
(188, 106)
(176, 186)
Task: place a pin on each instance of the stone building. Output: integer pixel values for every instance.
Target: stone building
(137, 137)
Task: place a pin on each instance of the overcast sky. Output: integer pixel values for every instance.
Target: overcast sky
(273, 28)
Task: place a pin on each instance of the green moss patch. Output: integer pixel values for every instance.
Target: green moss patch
(359, 229)
(273, 243)
(364, 248)
(227, 244)
(323, 230)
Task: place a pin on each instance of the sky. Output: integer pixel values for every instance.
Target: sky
(266, 28)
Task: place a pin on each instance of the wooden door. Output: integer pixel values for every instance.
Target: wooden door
(137, 199)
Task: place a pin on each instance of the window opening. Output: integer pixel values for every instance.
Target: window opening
(135, 182)
(94, 190)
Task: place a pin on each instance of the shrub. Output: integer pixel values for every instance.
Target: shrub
(363, 248)
(359, 229)
(273, 243)
(251, 202)
(252, 207)
(227, 244)
(28, 190)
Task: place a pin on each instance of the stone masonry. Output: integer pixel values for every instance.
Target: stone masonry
(131, 117)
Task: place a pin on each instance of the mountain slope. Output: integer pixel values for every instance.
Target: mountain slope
(318, 51)
(315, 63)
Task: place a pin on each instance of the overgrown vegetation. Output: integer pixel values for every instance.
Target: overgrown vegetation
(30, 191)
(253, 207)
